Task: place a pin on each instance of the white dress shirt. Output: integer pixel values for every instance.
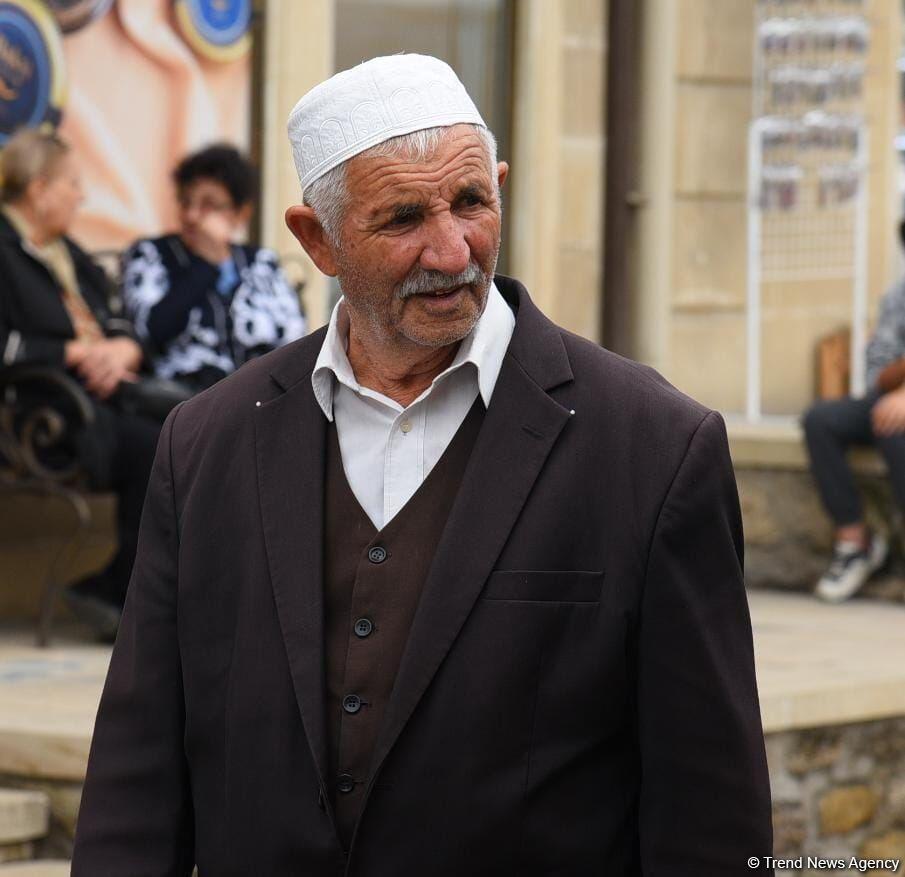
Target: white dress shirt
(387, 450)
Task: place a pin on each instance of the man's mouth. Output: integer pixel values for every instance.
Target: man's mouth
(443, 293)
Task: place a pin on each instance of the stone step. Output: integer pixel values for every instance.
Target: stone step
(40, 868)
(24, 815)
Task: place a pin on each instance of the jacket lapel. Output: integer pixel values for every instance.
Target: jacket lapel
(290, 435)
(520, 429)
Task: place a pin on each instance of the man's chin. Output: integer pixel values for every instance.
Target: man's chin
(435, 321)
(439, 335)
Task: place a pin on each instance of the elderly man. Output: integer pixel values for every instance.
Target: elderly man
(440, 589)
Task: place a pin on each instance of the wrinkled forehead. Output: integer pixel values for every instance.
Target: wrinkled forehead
(448, 162)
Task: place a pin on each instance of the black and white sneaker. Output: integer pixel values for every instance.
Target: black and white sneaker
(851, 567)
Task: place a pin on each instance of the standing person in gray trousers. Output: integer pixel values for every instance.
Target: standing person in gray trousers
(832, 427)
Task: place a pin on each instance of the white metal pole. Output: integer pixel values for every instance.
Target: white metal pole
(859, 304)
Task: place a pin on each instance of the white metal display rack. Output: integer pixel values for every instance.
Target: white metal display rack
(807, 162)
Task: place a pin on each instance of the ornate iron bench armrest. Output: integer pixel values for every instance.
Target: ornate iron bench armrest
(40, 408)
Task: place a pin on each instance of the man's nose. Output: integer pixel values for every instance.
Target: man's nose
(446, 249)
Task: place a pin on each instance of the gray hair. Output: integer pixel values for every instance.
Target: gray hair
(328, 197)
(30, 153)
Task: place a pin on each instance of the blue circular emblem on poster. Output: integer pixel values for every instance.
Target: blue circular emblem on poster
(31, 67)
(216, 29)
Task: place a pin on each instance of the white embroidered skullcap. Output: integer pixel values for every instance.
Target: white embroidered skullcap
(379, 99)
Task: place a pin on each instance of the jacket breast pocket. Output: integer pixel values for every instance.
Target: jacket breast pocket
(544, 585)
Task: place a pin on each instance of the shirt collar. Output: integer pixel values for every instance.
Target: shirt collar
(18, 221)
(484, 347)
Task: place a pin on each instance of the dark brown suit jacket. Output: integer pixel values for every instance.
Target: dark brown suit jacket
(577, 696)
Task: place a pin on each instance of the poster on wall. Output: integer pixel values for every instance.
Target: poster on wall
(132, 85)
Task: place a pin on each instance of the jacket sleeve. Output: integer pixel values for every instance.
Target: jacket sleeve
(18, 347)
(28, 348)
(705, 793)
(136, 814)
(158, 300)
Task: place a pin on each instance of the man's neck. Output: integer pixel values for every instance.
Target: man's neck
(401, 373)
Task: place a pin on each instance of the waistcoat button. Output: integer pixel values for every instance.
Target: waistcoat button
(351, 703)
(378, 554)
(363, 627)
(345, 783)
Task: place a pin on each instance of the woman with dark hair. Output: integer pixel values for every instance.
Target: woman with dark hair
(202, 303)
(55, 311)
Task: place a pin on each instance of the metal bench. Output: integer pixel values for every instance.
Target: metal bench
(41, 410)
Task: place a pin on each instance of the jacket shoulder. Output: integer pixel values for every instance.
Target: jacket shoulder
(630, 392)
(231, 400)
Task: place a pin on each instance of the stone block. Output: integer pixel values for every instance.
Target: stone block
(582, 90)
(824, 296)
(789, 338)
(24, 815)
(583, 18)
(713, 162)
(790, 829)
(42, 868)
(64, 799)
(815, 750)
(890, 845)
(580, 198)
(895, 799)
(709, 254)
(706, 358)
(846, 808)
(16, 852)
(715, 39)
(577, 308)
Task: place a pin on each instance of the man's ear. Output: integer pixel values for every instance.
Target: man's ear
(502, 171)
(308, 231)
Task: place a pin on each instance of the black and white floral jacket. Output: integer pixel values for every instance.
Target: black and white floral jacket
(197, 332)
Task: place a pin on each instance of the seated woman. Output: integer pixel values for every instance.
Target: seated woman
(54, 311)
(203, 304)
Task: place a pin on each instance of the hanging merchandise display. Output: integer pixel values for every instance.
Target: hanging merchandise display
(807, 161)
(32, 71)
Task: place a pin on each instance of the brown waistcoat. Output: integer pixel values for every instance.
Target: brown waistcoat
(373, 582)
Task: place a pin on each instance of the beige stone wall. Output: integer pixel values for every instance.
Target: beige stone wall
(692, 257)
(298, 54)
(555, 193)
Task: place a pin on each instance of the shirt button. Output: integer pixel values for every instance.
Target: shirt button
(352, 703)
(406, 426)
(363, 627)
(345, 783)
(378, 554)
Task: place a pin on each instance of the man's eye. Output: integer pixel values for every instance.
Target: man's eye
(471, 200)
(402, 219)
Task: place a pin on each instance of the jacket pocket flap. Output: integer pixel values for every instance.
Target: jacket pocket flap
(547, 585)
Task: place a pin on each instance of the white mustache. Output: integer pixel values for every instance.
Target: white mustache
(423, 282)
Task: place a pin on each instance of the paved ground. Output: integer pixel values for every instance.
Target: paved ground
(823, 664)
(817, 664)
(48, 700)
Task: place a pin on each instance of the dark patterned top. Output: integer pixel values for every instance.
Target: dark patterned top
(196, 328)
(888, 341)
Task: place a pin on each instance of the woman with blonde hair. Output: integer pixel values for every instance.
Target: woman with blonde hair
(55, 311)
